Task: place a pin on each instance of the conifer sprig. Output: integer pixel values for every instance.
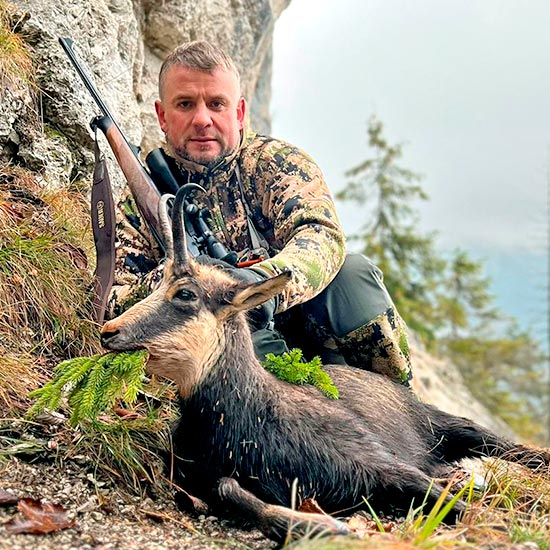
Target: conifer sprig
(92, 384)
(290, 367)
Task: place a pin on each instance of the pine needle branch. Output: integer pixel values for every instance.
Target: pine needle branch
(290, 367)
(92, 384)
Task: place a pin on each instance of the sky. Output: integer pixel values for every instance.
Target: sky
(464, 86)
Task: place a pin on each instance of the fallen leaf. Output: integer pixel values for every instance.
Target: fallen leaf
(161, 517)
(7, 498)
(190, 503)
(77, 255)
(39, 518)
(311, 506)
(9, 210)
(361, 525)
(126, 413)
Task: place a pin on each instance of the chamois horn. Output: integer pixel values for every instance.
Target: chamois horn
(178, 227)
(166, 225)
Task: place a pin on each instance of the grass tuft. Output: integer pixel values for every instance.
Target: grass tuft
(45, 282)
(127, 450)
(16, 66)
(513, 509)
(19, 373)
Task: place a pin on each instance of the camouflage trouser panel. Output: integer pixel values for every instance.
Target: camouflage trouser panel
(353, 321)
(381, 346)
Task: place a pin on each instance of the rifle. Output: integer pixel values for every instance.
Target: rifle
(202, 240)
(145, 187)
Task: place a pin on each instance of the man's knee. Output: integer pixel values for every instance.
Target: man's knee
(358, 312)
(380, 345)
(356, 296)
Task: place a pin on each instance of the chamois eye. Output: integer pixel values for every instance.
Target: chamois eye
(185, 295)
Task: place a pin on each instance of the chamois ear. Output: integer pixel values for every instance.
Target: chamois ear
(255, 294)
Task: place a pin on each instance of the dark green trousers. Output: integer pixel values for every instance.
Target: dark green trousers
(353, 321)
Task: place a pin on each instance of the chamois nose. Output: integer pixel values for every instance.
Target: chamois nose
(108, 335)
(109, 332)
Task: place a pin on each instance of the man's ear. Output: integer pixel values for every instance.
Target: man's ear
(241, 112)
(159, 108)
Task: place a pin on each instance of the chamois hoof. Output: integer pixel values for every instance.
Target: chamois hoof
(190, 504)
(277, 522)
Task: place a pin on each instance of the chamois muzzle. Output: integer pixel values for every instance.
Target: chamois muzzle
(117, 340)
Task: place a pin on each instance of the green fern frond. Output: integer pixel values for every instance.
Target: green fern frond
(132, 383)
(88, 399)
(290, 367)
(92, 384)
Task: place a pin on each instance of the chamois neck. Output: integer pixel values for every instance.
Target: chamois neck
(239, 350)
(237, 366)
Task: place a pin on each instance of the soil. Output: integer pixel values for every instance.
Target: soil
(106, 518)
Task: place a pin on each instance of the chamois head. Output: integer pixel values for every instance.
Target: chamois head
(183, 323)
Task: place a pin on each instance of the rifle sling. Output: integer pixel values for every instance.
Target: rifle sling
(103, 226)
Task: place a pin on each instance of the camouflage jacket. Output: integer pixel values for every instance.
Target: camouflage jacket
(290, 205)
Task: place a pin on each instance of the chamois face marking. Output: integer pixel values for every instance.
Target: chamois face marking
(182, 323)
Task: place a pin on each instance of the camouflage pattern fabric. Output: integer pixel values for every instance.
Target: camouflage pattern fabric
(293, 210)
(381, 346)
(291, 207)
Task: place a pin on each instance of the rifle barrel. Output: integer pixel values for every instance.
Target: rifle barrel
(67, 45)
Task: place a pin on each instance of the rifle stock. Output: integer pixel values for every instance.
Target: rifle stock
(140, 183)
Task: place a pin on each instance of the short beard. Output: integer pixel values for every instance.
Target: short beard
(182, 154)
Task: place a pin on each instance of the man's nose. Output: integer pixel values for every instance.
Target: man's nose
(201, 116)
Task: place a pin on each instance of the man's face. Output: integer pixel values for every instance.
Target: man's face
(201, 113)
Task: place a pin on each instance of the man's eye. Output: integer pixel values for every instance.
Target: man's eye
(184, 104)
(217, 105)
(185, 295)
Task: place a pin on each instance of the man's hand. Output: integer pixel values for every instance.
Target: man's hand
(260, 316)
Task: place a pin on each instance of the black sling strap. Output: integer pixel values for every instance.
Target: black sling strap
(103, 226)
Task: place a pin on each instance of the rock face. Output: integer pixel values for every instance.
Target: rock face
(123, 42)
(439, 382)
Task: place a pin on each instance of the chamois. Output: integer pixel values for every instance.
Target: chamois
(246, 440)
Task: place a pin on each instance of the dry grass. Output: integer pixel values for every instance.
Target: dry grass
(16, 67)
(44, 282)
(18, 375)
(129, 450)
(45, 317)
(514, 509)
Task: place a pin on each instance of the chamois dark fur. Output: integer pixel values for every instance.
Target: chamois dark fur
(245, 436)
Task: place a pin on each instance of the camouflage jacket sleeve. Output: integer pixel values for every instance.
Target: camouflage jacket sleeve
(306, 231)
(137, 259)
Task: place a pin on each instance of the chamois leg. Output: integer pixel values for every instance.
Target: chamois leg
(462, 438)
(410, 485)
(276, 522)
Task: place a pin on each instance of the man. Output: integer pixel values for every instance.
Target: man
(267, 199)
